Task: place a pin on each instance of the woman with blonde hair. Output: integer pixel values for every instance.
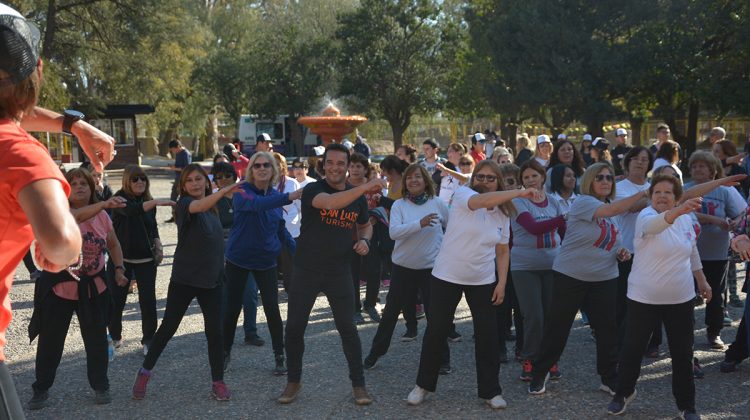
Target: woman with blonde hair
(525, 150)
(257, 237)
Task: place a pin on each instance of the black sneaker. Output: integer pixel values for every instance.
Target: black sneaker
(689, 415)
(409, 336)
(454, 337)
(39, 400)
(697, 369)
(537, 386)
(254, 341)
(728, 366)
(618, 404)
(373, 313)
(279, 369)
(102, 397)
(370, 362)
(445, 369)
(358, 318)
(227, 358)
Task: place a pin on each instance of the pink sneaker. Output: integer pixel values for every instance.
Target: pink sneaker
(386, 283)
(220, 391)
(141, 380)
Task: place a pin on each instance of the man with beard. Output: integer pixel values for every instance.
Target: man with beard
(331, 212)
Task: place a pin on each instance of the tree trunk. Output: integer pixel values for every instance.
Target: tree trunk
(165, 136)
(297, 140)
(635, 126)
(50, 30)
(692, 128)
(399, 125)
(594, 126)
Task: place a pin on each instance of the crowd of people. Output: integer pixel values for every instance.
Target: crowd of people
(529, 239)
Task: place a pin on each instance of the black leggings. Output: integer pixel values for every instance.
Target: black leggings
(145, 273)
(56, 314)
(179, 297)
(269, 293)
(716, 276)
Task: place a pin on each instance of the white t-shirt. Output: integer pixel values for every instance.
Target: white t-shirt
(658, 163)
(564, 204)
(626, 221)
(663, 262)
(467, 255)
(448, 186)
(416, 247)
(541, 161)
(293, 211)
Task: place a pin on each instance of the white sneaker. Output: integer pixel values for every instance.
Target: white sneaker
(416, 396)
(497, 402)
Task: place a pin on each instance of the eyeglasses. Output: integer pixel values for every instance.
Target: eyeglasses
(137, 178)
(510, 181)
(607, 177)
(261, 165)
(223, 176)
(483, 178)
(299, 166)
(464, 163)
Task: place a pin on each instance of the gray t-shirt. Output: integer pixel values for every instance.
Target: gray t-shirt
(534, 251)
(589, 251)
(199, 256)
(713, 242)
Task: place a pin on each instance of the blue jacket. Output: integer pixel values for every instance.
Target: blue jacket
(258, 231)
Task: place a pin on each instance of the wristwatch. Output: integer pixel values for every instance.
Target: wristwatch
(69, 118)
(119, 267)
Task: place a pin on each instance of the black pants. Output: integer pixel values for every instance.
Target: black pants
(509, 314)
(269, 293)
(639, 324)
(179, 297)
(286, 265)
(10, 405)
(28, 262)
(737, 351)
(444, 299)
(405, 284)
(621, 308)
(55, 321)
(716, 275)
(570, 294)
(372, 264)
(303, 291)
(145, 273)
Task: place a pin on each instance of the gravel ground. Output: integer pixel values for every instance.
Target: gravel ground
(180, 387)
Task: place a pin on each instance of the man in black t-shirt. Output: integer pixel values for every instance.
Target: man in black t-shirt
(331, 212)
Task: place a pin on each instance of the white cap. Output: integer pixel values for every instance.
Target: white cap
(621, 132)
(543, 139)
(587, 137)
(597, 140)
(477, 137)
(348, 144)
(319, 150)
(562, 136)
(264, 137)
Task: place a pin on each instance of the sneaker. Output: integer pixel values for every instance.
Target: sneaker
(220, 391)
(370, 362)
(538, 387)
(526, 369)
(416, 396)
(445, 369)
(227, 359)
(419, 311)
(280, 369)
(652, 353)
(386, 283)
(102, 397)
(254, 341)
(503, 357)
(290, 393)
(689, 415)
(454, 337)
(409, 336)
(497, 402)
(39, 400)
(618, 404)
(362, 283)
(372, 312)
(554, 372)
(358, 318)
(697, 369)
(608, 388)
(361, 396)
(141, 380)
(728, 366)
(145, 349)
(735, 301)
(714, 341)
(727, 319)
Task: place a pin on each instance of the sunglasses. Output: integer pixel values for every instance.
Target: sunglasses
(510, 181)
(137, 178)
(299, 166)
(608, 178)
(223, 176)
(464, 163)
(483, 178)
(261, 165)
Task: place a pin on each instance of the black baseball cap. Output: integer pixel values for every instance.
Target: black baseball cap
(19, 46)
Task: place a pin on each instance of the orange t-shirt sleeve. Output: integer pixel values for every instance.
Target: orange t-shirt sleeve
(26, 161)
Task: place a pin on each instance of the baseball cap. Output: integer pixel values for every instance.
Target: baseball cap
(319, 150)
(562, 136)
(600, 143)
(587, 137)
(621, 132)
(263, 137)
(543, 139)
(478, 137)
(19, 46)
(348, 144)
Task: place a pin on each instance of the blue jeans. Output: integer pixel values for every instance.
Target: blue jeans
(250, 307)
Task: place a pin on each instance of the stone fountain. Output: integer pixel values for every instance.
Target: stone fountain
(332, 126)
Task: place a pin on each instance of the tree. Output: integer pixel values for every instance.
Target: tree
(394, 58)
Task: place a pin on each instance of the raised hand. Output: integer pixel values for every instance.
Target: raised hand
(115, 202)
